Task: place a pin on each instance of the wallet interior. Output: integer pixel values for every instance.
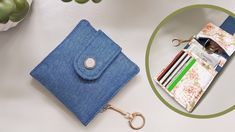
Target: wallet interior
(192, 70)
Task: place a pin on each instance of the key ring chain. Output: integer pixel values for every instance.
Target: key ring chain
(178, 42)
(129, 116)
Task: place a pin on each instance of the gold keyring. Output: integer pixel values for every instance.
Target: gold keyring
(181, 41)
(178, 42)
(134, 115)
(128, 116)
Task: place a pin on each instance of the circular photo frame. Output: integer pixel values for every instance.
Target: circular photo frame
(150, 73)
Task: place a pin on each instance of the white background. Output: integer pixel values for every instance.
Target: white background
(25, 106)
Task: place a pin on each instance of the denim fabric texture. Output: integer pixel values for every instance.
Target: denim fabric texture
(229, 25)
(83, 91)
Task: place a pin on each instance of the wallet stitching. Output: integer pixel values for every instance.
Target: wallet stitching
(100, 69)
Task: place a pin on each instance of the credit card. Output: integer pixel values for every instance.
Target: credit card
(172, 68)
(181, 74)
(179, 68)
(170, 65)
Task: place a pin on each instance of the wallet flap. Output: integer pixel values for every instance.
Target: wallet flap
(102, 50)
(225, 40)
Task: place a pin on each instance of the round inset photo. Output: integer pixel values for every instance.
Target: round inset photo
(190, 62)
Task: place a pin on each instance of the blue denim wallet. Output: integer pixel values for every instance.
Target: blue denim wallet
(85, 71)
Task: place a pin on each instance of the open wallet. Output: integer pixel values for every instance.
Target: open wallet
(193, 69)
(85, 71)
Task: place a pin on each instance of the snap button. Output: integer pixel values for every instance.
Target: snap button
(89, 63)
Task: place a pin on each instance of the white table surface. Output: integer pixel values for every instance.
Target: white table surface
(25, 106)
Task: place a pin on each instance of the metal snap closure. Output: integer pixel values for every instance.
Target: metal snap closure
(90, 63)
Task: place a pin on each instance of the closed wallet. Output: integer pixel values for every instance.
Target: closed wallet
(85, 90)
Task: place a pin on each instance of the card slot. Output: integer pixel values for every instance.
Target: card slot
(188, 77)
(170, 65)
(203, 63)
(189, 89)
(207, 60)
(178, 70)
(185, 69)
(172, 68)
(175, 67)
